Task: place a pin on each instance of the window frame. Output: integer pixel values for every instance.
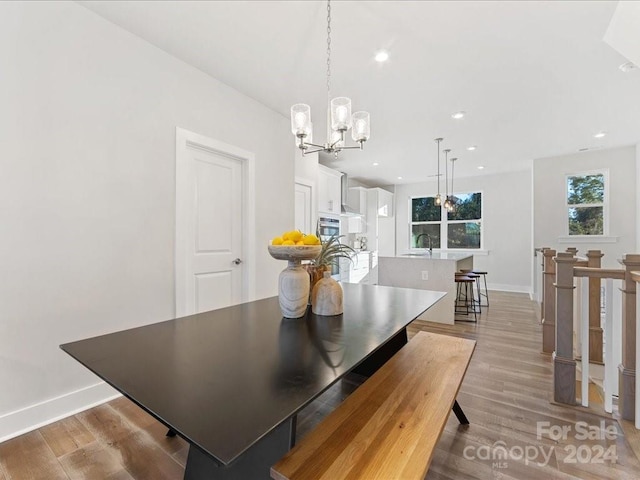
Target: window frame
(444, 224)
(605, 203)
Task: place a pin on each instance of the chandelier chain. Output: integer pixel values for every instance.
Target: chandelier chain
(328, 49)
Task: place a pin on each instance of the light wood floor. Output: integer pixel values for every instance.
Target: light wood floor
(506, 391)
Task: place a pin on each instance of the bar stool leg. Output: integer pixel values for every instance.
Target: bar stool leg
(479, 294)
(486, 292)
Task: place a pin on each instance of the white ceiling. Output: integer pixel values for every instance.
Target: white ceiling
(535, 78)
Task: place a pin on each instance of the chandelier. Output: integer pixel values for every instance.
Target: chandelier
(339, 117)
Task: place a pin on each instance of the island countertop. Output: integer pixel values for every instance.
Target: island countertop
(428, 272)
(436, 255)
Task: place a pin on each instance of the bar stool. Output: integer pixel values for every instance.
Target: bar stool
(464, 284)
(476, 277)
(486, 292)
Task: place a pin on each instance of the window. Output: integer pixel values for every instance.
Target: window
(432, 225)
(586, 204)
(426, 219)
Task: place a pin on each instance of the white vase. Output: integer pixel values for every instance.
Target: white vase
(293, 290)
(326, 297)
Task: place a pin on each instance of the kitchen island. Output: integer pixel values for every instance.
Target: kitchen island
(427, 271)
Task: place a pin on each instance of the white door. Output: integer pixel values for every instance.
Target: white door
(303, 208)
(209, 228)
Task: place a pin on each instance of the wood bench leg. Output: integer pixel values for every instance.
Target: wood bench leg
(462, 418)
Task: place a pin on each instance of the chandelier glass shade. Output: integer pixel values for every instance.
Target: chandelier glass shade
(339, 118)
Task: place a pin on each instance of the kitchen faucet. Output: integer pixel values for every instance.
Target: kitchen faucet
(429, 238)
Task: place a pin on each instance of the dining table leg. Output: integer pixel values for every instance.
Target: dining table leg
(373, 362)
(255, 463)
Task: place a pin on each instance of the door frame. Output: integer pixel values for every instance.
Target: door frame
(186, 139)
(314, 203)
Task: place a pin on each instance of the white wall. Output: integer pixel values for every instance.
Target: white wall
(506, 225)
(87, 202)
(550, 216)
(637, 197)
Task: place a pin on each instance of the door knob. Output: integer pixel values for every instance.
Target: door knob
(237, 261)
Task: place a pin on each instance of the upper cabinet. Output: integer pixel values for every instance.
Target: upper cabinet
(357, 200)
(383, 200)
(329, 191)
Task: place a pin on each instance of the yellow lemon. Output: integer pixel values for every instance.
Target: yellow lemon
(277, 241)
(288, 242)
(295, 235)
(299, 242)
(285, 236)
(311, 239)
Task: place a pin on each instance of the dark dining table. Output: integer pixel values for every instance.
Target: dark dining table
(231, 381)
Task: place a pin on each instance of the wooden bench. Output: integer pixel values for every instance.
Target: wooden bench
(388, 428)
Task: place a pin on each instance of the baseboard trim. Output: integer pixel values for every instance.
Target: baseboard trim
(509, 288)
(24, 420)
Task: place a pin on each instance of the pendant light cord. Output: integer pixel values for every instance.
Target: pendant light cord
(438, 140)
(446, 173)
(328, 51)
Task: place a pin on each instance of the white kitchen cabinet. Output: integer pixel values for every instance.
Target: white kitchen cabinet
(384, 201)
(357, 200)
(358, 270)
(329, 191)
(380, 222)
(355, 225)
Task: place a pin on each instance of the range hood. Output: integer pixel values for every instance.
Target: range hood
(345, 209)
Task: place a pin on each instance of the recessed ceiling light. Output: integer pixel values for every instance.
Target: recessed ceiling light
(458, 115)
(600, 134)
(627, 67)
(472, 148)
(480, 167)
(399, 178)
(382, 56)
(375, 164)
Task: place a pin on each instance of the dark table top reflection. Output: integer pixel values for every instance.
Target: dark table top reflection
(223, 379)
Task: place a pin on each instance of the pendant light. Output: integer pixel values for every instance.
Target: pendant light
(446, 177)
(452, 198)
(438, 197)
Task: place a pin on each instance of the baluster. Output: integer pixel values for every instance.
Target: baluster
(549, 302)
(595, 327)
(617, 334)
(636, 278)
(564, 364)
(609, 365)
(627, 369)
(584, 338)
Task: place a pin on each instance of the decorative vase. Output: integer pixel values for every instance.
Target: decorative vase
(316, 273)
(326, 297)
(294, 283)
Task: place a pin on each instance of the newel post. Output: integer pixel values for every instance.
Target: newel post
(573, 251)
(595, 330)
(564, 365)
(627, 369)
(549, 302)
